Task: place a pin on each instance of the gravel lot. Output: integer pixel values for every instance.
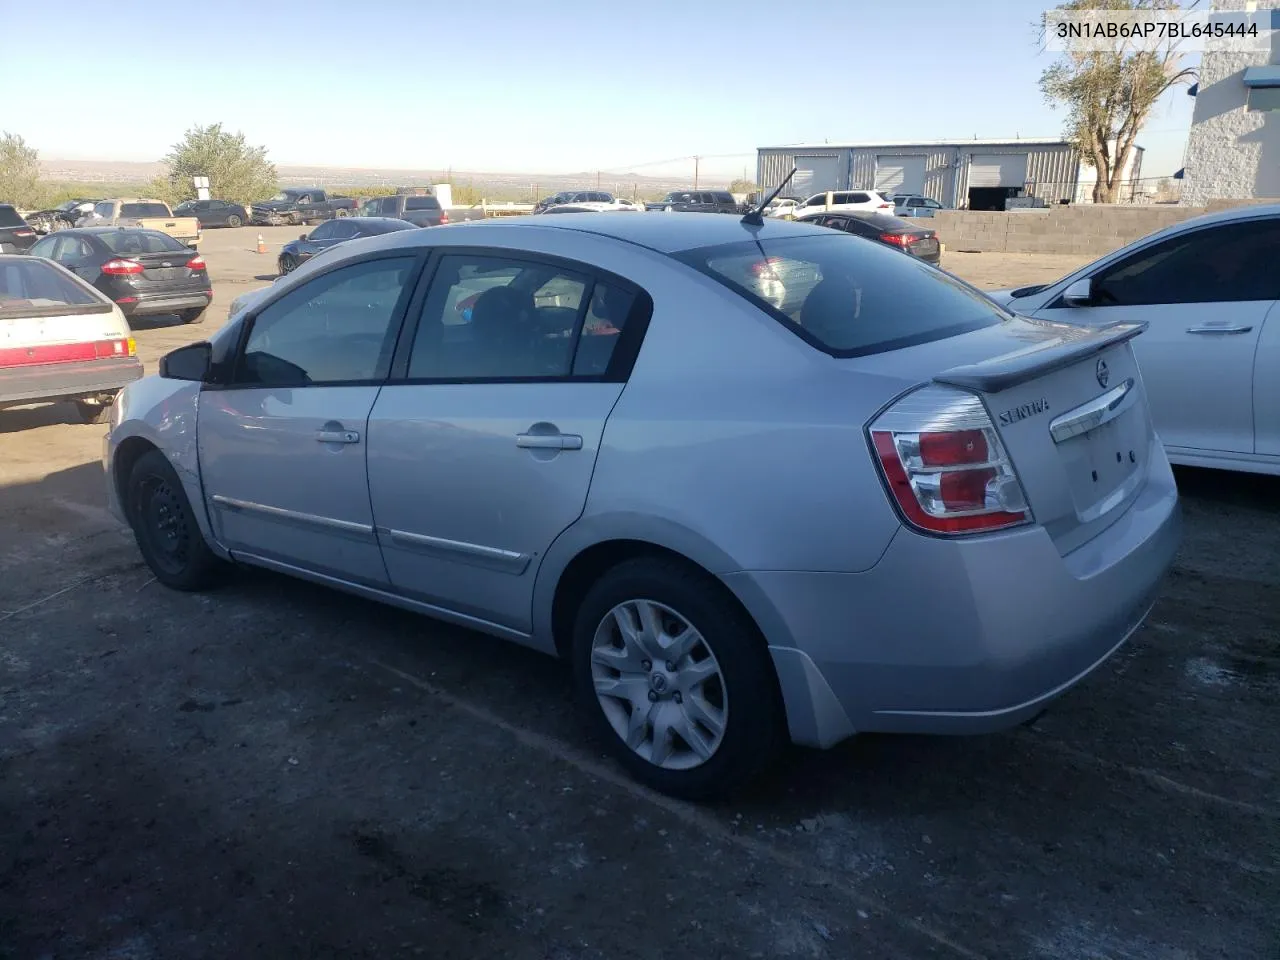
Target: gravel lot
(273, 770)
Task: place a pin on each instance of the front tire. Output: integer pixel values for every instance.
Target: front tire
(675, 678)
(287, 264)
(234, 221)
(192, 316)
(165, 527)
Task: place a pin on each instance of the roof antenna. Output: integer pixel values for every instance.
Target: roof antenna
(756, 217)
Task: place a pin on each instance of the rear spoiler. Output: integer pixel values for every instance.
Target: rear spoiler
(1075, 344)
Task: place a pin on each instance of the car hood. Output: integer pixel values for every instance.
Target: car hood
(248, 300)
(275, 204)
(1003, 297)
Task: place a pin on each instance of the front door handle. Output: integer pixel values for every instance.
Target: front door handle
(1218, 329)
(338, 436)
(549, 441)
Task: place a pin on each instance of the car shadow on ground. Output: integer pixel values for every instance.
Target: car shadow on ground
(18, 419)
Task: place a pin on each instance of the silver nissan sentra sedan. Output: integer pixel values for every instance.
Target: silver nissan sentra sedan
(754, 482)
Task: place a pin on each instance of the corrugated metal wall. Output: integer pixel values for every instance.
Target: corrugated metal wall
(1054, 168)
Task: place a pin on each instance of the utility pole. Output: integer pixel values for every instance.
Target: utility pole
(695, 172)
(597, 179)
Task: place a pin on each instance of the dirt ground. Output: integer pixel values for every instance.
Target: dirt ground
(273, 770)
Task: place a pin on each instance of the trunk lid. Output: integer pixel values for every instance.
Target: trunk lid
(1069, 407)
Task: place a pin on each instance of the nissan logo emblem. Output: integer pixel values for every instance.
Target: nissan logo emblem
(1104, 373)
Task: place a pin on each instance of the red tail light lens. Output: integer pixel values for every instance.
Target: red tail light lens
(24, 233)
(444, 218)
(943, 461)
(895, 239)
(196, 263)
(121, 267)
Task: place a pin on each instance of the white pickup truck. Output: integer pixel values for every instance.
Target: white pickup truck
(147, 214)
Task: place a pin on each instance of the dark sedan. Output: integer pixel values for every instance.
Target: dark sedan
(145, 272)
(910, 238)
(16, 235)
(213, 213)
(333, 232)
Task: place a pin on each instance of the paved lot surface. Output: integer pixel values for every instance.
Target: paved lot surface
(277, 771)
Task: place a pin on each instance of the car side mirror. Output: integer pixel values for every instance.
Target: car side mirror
(302, 236)
(191, 362)
(1079, 294)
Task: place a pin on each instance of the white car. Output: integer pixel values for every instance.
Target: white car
(1209, 288)
(867, 201)
(60, 339)
(784, 208)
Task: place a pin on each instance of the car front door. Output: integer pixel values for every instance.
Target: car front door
(481, 452)
(1205, 294)
(282, 444)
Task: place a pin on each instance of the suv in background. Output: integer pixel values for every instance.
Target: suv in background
(914, 205)
(696, 201)
(422, 210)
(16, 235)
(845, 201)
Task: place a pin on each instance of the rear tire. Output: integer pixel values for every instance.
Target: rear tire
(234, 221)
(697, 668)
(192, 316)
(165, 527)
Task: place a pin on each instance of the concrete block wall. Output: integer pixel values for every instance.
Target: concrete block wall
(1084, 230)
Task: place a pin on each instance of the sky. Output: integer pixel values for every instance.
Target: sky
(537, 86)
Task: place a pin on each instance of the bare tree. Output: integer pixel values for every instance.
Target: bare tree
(19, 172)
(1109, 93)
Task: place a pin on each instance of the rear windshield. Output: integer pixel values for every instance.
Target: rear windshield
(141, 241)
(9, 217)
(846, 296)
(143, 210)
(422, 203)
(27, 284)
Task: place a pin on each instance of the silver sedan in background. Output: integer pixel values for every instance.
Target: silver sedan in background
(754, 482)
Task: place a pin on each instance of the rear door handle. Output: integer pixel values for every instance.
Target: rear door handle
(549, 441)
(1219, 329)
(338, 436)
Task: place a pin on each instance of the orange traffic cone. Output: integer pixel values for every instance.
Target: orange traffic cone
(262, 244)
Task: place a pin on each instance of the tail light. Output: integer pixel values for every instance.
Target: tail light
(123, 347)
(444, 217)
(196, 263)
(896, 239)
(885, 206)
(24, 233)
(945, 466)
(121, 267)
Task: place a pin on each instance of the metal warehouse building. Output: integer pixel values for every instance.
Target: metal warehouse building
(964, 174)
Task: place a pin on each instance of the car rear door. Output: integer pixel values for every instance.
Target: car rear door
(482, 446)
(1206, 294)
(282, 443)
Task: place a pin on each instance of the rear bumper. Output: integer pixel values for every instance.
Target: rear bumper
(66, 381)
(960, 636)
(166, 303)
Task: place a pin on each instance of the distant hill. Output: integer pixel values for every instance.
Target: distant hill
(120, 171)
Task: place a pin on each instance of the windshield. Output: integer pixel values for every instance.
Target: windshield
(27, 284)
(281, 196)
(847, 296)
(141, 241)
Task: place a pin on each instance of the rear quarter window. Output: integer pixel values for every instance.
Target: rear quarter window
(846, 296)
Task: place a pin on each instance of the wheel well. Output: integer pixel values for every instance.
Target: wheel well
(127, 454)
(592, 563)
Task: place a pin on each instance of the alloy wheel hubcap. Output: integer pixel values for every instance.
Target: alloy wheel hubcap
(659, 684)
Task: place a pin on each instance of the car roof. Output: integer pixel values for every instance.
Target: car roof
(380, 221)
(98, 231)
(1246, 212)
(669, 233)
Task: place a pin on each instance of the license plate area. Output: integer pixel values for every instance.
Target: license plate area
(1104, 464)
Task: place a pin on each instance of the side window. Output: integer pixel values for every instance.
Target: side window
(43, 248)
(338, 328)
(915, 202)
(858, 198)
(495, 318)
(343, 230)
(933, 204)
(1231, 263)
(607, 314)
(69, 250)
(325, 231)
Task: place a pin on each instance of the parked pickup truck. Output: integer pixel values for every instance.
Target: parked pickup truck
(301, 205)
(147, 214)
(420, 209)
